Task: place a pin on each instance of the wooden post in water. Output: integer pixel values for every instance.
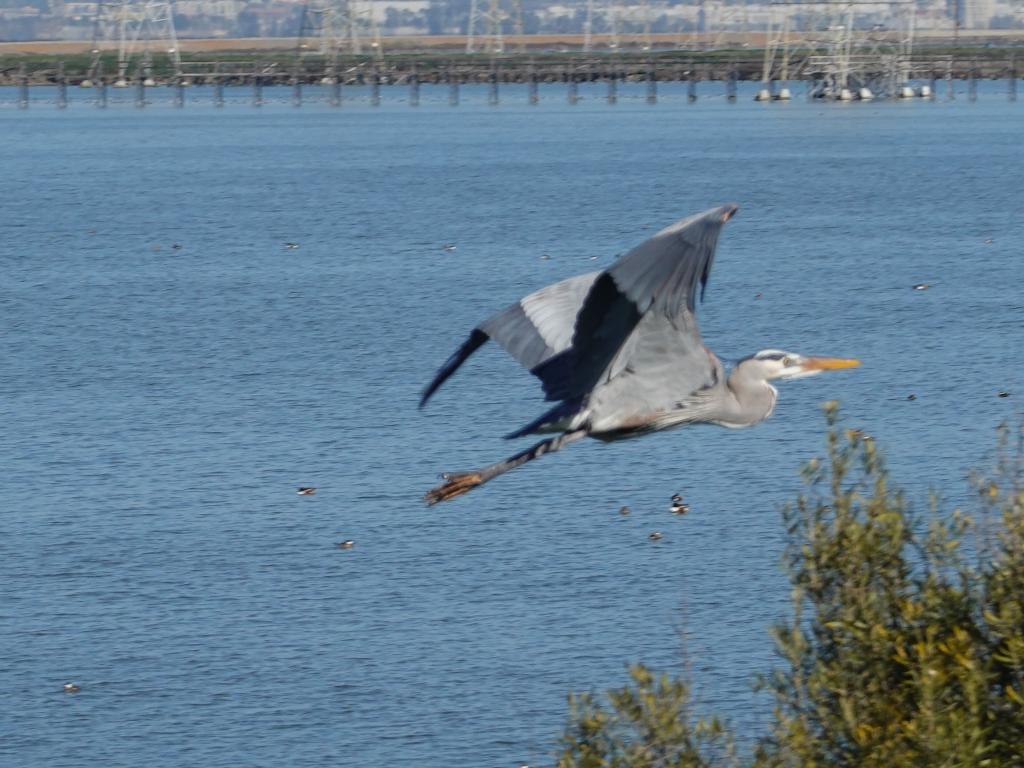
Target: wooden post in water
(691, 84)
(972, 82)
(492, 93)
(22, 87)
(375, 88)
(573, 93)
(730, 84)
(414, 87)
(950, 93)
(453, 87)
(652, 84)
(931, 82)
(1011, 92)
(179, 92)
(335, 98)
(62, 87)
(101, 87)
(296, 87)
(140, 89)
(613, 88)
(257, 86)
(218, 87)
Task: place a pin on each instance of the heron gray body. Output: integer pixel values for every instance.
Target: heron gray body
(620, 352)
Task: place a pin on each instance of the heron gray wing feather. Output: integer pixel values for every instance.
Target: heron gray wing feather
(534, 329)
(540, 325)
(658, 277)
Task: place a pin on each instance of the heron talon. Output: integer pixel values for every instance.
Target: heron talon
(456, 484)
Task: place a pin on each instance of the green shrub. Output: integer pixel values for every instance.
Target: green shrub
(905, 648)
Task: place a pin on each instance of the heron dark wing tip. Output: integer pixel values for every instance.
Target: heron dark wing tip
(476, 338)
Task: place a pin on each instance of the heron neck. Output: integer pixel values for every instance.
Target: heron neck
(755, 397)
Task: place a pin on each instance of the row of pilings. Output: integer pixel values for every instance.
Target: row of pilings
(411, 73)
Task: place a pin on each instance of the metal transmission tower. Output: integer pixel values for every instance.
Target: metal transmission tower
(139, 27)
(628, 25)
(588, 27)
(776, 57)
(863, 58)
(330, 29)
(487, 21)
(724, 20)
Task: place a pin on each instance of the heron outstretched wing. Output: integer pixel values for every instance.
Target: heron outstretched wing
(643, 304)
(581, 333)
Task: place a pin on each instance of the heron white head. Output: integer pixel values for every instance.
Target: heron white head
(771, 364)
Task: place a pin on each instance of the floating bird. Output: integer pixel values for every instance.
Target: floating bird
(623, 511)
(1004, 393)
(545, 257)
(620, 353)
(291, 246)
(911, 396)
(678, 506)
(989, 241)
(449, 247)
(306, 491)
(176, 246)
(346, 544)
(921, 286)
(72, 688)
(655, 535)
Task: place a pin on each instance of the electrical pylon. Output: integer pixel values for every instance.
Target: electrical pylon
(140, 27)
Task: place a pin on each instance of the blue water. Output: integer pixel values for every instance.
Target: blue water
(160, 406)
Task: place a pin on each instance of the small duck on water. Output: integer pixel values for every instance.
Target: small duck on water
(72, 688)
(623, 511)
(655, 536)
(306, 491)
(346, 544)
(678, 506)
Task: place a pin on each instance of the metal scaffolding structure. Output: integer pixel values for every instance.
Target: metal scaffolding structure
(140, 28)
(485, 27)
(331, 28)
(850, 50)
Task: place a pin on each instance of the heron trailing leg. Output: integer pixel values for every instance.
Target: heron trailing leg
(458, 483)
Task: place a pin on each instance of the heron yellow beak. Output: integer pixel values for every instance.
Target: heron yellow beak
(828, 363)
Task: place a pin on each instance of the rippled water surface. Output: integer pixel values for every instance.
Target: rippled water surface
(160, 405)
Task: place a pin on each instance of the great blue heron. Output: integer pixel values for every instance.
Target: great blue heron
(621, 354)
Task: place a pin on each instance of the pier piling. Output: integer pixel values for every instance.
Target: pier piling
(375, 88)
(62, 87)
(414, 87)
(257, 86)
(492, 92)
(652, 84)
(22, 88)
(101, 91)
(613, 89)
(140, 90)
(453, 88)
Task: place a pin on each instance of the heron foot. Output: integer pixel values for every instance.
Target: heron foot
(455, 484)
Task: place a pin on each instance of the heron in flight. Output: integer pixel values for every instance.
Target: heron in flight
(620, 354)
